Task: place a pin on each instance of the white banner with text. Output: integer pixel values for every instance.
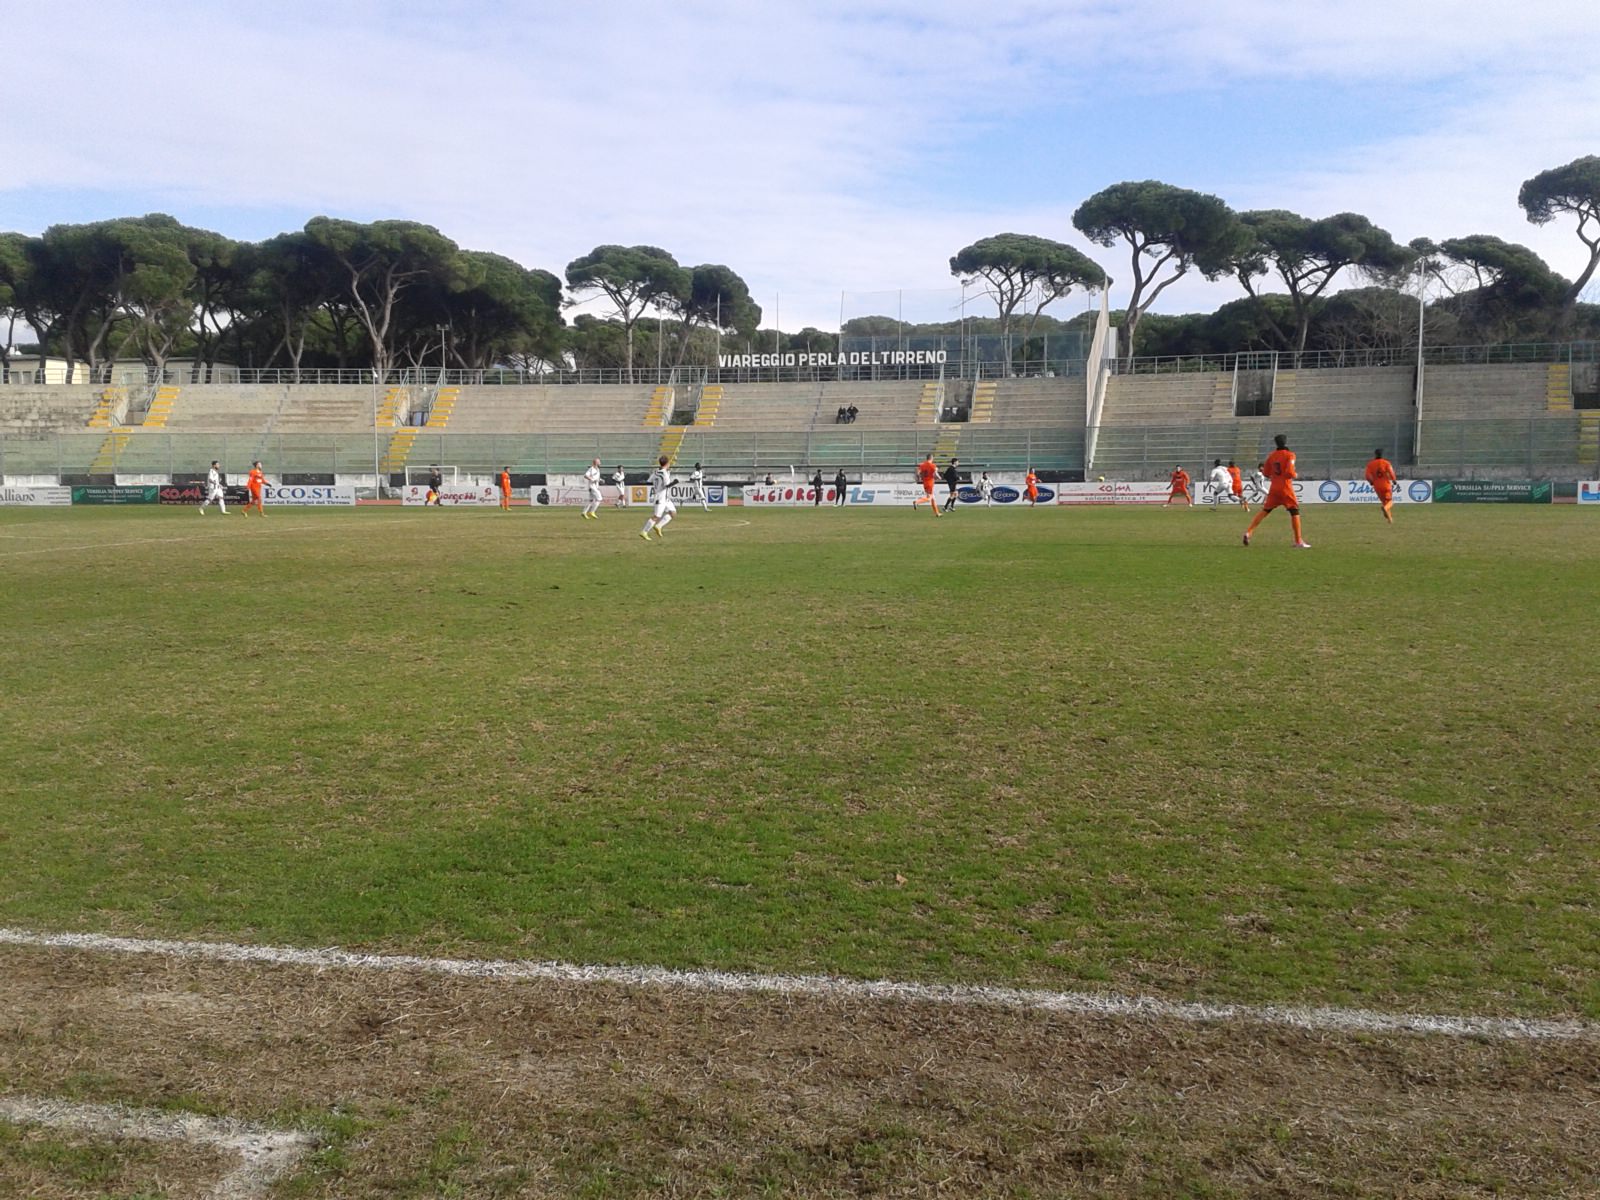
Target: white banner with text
(312, 495)
(35, 497)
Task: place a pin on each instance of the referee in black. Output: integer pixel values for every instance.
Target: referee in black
(952, 480)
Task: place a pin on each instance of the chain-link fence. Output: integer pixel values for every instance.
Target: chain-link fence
(1559, 446)
(160, 456)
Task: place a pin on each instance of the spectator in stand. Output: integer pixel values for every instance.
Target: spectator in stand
(840, 417)
(850, 414)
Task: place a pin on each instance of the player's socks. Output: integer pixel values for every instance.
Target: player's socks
(1294, 522)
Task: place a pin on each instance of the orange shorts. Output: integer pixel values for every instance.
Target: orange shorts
(1179, 492)
(928, 487)
(255, 496)
(1384, 492)
(1033, 493)
(1238, 489)
(1280, 499)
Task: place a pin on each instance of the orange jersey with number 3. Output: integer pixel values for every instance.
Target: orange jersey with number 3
(1380, 474)
(1280, 472)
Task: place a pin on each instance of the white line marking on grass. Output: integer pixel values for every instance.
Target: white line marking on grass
(1330, 1020)
(266, 1154)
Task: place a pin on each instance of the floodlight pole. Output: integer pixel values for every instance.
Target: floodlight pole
(377, 479)
(838, 358)
(1422, 296)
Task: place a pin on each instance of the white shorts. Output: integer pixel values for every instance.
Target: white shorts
(594, 494)
(213, 495)
(664, 505)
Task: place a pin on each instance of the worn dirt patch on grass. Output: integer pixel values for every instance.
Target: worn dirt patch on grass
(42, 1163)
(444, 1086)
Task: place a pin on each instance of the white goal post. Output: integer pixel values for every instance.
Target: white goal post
(419, 475)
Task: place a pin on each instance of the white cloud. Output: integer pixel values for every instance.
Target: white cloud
(759, 135)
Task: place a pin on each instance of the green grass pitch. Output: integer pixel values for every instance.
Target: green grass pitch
(1107, 749)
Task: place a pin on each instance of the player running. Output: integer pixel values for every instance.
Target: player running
(256, 484)
(1219, 485)
(697, 483)
(1236, 485)
(591, 476)
(927, 473)
(1380, 474)
(1280, 491)
(214, 489)
(1179, 482)
(1031, 485)
(661, 493)
(505, 489)
(620, 478)
(986, 490)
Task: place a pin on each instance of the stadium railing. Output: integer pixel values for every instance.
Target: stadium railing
(976, 363)
(158, 453)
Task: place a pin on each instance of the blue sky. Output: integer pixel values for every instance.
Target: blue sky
(817, 149)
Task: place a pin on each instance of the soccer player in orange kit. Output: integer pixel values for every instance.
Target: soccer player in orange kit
(1180, 487)
(1238, 484)
(505, 488)
(1032, 486)
(1280, 471)
(1380, 474)
(927, 473)
(256, 483)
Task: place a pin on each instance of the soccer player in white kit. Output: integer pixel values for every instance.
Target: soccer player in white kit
(986, 489)
(620, 478)
(697, 480)
(591, 508)
(661, 493)
(1220, 484)
(214, 490)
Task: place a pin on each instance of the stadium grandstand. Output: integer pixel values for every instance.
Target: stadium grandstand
(1526, 412)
